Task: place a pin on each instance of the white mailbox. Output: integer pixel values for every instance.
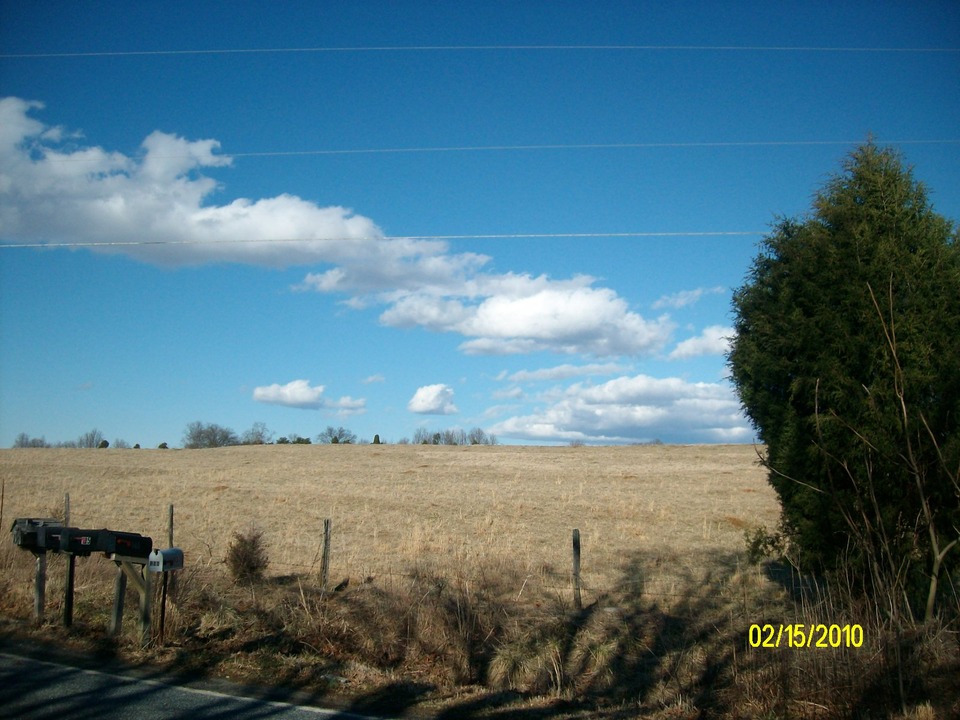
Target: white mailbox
(165, 560)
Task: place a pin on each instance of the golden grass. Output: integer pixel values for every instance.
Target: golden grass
(459, 560)
(397, 507)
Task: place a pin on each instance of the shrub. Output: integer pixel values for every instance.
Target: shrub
(763, 544)
(247, 557)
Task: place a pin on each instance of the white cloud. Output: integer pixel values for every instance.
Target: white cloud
(393, 268)
(512, 393)
(685, 298)
(158, 204)
(425, 311)
(433, 400)
(378, 378)
(524, 314)
(300, 394)
(634, 409)
(714, 340)
(564, 372)
(157, 207)
(348, 406)
(296, 393)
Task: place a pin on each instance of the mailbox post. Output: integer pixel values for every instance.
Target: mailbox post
(31, 534)
(131, 553)
(43, 535)
(164, 561)
(39, 536)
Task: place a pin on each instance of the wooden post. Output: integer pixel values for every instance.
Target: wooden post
(119, 590)
(577, 601)
(40, 587)
(325, 563)
(163, 606)
(68, 590)
(173, 580)
(71, 565)
(145, 599)
(67, 614)
(140, 577)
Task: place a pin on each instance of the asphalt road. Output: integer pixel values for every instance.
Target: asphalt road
(34, 689)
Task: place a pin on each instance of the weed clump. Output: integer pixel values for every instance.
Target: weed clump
(247, 557)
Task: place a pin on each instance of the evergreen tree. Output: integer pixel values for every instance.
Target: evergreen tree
(846, 360)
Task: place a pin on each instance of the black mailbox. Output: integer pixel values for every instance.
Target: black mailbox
(78, 541)
(47, 534)
(126, 544)
(37, 534)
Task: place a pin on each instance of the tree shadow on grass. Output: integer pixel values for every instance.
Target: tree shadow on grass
(629, 652)
(632, 652)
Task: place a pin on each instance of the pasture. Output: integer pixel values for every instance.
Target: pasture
(458, 562)
(394, 507)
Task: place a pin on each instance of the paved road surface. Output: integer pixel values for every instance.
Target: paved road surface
(34, 689)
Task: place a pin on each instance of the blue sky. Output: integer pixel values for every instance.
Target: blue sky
(527, 217)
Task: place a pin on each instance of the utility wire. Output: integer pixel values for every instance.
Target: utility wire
(531, 147)
(484, 236)
(584, 146)
(479, 48)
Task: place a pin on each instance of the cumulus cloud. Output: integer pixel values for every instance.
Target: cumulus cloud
(156, 207)
(511, 393)
(300, 394)
(297, 393)
(565, 372)
(714, 340)
(634, 409)
(433, 400)
(394, 268)
(685, 297)
(513, 314)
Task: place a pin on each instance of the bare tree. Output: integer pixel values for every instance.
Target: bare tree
(336, 435)
(201, 435)
(91, 439)
(259, 434)
(25, 441)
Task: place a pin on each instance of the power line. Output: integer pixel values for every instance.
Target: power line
(584, 146)
(480, 48)
(436, 238)
(536, 147)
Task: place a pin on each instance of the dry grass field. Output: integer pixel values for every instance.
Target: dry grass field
(394, 507)
(459, 599)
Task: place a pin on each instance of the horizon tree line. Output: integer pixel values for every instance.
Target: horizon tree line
(199, 435)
